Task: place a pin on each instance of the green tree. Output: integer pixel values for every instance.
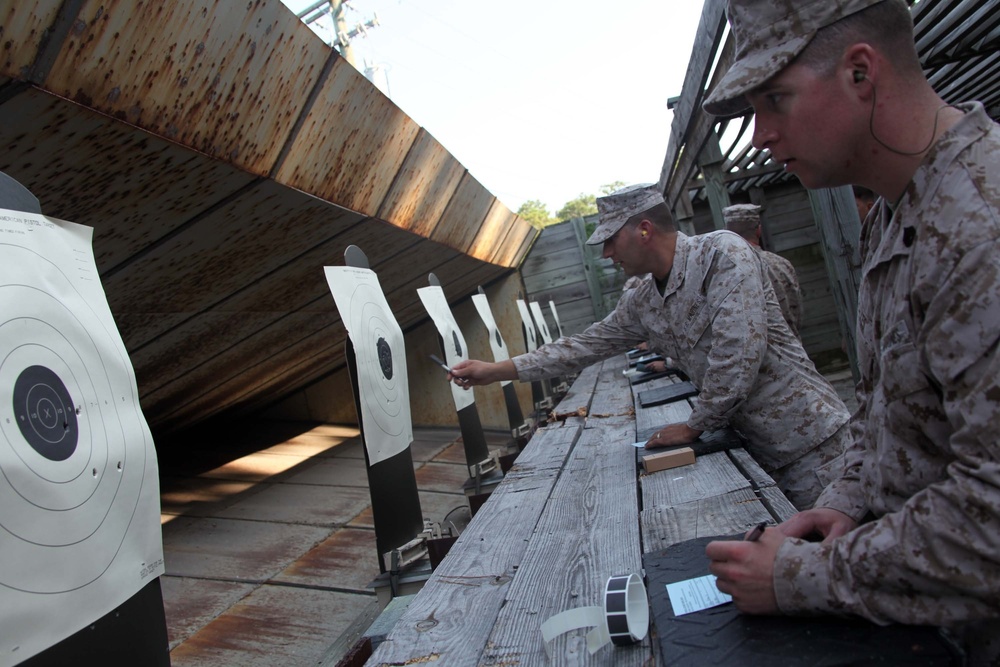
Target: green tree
(536, 213)
(579, 207)
(611, 187)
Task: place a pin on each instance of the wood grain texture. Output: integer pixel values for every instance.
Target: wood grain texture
(721, 514)
(451, 618)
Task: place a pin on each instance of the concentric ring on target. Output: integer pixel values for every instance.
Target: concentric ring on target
(68, 490)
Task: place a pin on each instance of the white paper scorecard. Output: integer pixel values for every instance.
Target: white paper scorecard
(529, 326)
(455, 349)
(536, 310)
(381, 356)
(79, 489)
(497, 343)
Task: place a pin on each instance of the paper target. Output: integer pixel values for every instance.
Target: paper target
(79, 524)
(529, 326)
(381, 358)
(543, 328)
(555, 316)
(455, 348)
(497, 343)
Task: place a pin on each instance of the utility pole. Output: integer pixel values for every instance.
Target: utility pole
(342, 35)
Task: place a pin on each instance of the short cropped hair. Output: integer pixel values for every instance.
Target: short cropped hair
(887, 26)
(660, 215)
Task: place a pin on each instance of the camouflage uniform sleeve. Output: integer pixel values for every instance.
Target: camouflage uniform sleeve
(935, 560)
(845, 493)
(734, 310)
(617, 332)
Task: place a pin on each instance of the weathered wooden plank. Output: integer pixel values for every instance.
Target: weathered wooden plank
(721, 514)
(587, 533)
(612, 396)
(781, 508)
(750, 468)
(709, 475)
(451, 618)
(581, 392)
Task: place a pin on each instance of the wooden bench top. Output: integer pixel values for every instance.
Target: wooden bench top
(571, 512)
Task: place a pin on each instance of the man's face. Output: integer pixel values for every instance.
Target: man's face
(807, 123)
(624, 249)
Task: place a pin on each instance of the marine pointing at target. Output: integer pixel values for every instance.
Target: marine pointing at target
(708, 305)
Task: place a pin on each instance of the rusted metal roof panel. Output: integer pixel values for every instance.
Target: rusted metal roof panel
(223, 155)
(226, 80)
(423, 187)
(465, 213)
(351, 145)
(28, 22)
(492, 232)
(134, 188)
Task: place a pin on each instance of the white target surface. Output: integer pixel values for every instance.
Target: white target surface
(536, 311)
(555, 316)
(531, 339)
(497, 344)
(381, 357)
(79, 494)
(455, 349)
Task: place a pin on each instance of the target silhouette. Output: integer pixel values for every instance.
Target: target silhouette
(68, 488)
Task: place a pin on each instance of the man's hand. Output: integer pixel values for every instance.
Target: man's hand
(745, 570)
(671, 435)
(823, 521)
(472, 372)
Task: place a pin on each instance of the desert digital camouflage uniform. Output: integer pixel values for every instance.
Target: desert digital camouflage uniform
(786, 286)
(718, 319)
(925, 458)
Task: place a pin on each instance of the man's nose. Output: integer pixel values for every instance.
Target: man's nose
(762, 136)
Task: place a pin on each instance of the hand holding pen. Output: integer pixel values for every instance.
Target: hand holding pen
(462, 381)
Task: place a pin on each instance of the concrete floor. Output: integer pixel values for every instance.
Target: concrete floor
(269, 543)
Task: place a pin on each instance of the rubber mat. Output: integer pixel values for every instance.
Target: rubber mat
(722, 636)
(661, 395)
(713, 441)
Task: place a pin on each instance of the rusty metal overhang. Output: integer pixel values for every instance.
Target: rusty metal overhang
(224, 155)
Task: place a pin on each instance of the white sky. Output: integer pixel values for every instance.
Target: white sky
(539, 99)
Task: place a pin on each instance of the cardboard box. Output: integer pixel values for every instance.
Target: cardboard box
(681, 456)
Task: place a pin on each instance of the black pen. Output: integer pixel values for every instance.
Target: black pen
(756, 532)
(443, 365)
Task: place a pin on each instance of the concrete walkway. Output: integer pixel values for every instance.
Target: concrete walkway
(269, 543)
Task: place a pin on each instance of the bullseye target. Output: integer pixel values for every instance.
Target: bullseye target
(543, 328)
(497, 343)
(67, 484)
(529, 326)
(381, 359)
(79, 493)
(455, 349)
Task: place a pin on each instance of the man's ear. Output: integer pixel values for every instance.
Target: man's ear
(645, 228)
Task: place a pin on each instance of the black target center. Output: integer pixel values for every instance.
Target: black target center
(45, 414)
(458, 344)
(385, 358)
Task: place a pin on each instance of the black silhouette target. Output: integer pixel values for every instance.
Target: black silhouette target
(378, 345)
(68, 492)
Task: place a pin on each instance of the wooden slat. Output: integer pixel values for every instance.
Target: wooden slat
(586, 534)
(711, 474)
(449, 621)
(612, 397)
(722, 514)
